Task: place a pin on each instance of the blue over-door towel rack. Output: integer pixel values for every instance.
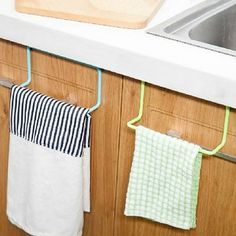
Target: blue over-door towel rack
(8, 83)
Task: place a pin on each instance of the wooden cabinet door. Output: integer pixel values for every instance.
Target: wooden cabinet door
(113, 143)
(199, 122)
(77, 84)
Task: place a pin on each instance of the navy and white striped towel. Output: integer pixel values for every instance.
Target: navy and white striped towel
(48, 171)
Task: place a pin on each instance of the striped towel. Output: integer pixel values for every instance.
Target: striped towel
(164, 179)
(48, 187)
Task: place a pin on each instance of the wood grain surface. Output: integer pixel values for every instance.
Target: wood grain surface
(113, 143)
(199, 122)
(120, 13)
(76, 84)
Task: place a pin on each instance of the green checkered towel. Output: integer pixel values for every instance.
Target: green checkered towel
(164, 179)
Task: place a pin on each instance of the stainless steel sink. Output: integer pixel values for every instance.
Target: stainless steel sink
(211, 25)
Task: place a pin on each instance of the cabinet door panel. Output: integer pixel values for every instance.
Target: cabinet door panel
(199, 122)
(76, 84)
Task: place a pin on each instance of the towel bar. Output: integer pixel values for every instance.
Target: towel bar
(206, 151)
(222, 155)
(7, 83)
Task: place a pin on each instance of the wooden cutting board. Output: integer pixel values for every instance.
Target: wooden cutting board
(121, 13)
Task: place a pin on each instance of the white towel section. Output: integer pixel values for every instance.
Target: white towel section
(86, 166)
(86, 179)
(44, 190)
(49, 165)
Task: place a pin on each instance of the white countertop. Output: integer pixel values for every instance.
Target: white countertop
(166, 63)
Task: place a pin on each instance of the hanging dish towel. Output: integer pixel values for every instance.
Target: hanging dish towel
(164, 179)
(46, 184)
